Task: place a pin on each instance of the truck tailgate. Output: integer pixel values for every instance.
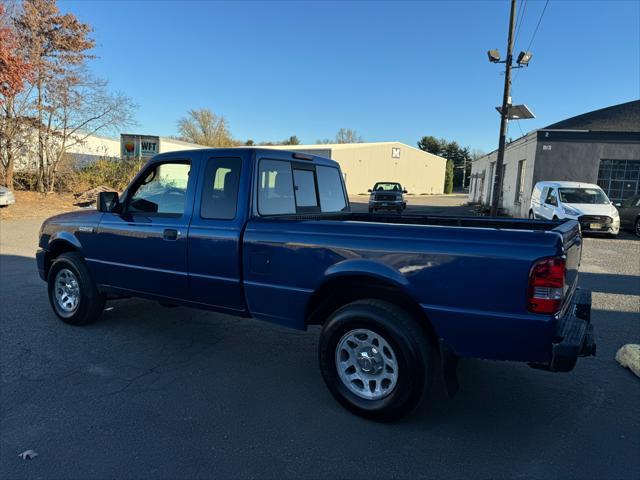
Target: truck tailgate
(572, 248)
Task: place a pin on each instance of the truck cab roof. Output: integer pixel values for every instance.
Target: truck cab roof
(259, 151)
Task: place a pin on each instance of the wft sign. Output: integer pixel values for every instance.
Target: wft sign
(139, 146)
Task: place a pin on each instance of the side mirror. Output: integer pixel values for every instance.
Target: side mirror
(404, 191)
(369, 190)
(617, 204)
(107, 201)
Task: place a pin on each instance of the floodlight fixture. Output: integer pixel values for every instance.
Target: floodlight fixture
(494, 56)
(524, 58)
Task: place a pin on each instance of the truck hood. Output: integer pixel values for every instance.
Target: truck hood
(593, 209)
(79, 217)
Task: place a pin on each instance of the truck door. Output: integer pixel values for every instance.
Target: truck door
(216, 231)
(144, 247)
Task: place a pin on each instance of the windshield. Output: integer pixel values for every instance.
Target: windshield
(387, 187)
(583, 195)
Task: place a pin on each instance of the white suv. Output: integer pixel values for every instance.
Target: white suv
(584, 202)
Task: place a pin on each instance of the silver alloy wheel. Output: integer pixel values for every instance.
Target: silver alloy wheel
(366, 364)
(67, 291)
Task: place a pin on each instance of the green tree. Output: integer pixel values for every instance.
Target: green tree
(448, 177)
(459, 157)
(432, 145)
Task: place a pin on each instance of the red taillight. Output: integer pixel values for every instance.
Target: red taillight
(546, 285)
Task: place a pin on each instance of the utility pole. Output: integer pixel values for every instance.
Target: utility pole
(464, 171)
(504, 115)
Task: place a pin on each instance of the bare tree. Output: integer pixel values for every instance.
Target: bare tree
(204, 127)
(79, 106)
(344, 135)
(347, 135)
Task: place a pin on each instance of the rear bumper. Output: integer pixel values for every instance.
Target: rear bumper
(574, 336)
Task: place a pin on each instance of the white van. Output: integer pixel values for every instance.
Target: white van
(584, 202)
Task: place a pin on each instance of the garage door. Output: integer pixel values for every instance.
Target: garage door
(620, 179)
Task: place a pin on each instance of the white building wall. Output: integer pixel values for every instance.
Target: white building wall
(173, 145)
(482, 183)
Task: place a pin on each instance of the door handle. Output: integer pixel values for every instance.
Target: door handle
(170, 234)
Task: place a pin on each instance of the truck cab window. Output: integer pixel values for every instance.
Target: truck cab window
(332, 198)
(305, 188)
(162, 190)
(220, 188)
(275, 188)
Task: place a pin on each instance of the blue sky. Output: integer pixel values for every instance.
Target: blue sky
(391, 70)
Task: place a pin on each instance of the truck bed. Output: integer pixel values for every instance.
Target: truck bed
(568, 229)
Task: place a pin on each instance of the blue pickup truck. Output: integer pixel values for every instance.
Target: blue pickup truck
(270, 235)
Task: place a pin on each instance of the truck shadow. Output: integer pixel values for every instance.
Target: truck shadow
(610, 283)
(139, 349)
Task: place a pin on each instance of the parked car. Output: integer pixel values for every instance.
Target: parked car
(269, 234)
(387, 196)
(584, 202)
(630, 214)
(6, 197)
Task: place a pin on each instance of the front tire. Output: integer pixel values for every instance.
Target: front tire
(636, 228)
(375, 359)
(73, 295)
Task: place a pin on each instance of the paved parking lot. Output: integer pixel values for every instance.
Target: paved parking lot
(179, 393)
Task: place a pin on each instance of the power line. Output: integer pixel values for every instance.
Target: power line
(537, 26)
(523, 4)
(533, 37)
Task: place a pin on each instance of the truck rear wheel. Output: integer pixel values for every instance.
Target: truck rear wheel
(375, 359)
(72, 293)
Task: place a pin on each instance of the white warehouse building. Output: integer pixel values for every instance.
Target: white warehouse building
(364, 164)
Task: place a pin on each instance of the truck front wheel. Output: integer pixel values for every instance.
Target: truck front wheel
(72, 293)
(375, 359)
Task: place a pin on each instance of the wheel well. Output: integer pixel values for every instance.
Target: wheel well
(343, 290)
(56, 249)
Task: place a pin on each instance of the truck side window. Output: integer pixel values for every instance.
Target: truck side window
(330, 189)
(162, 190)
(220, 188)
(305, 188)
(275, 188)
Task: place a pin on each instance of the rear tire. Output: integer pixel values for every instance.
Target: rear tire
(73, 295)
(403, 354)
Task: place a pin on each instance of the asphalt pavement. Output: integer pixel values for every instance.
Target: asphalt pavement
(155, 392)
